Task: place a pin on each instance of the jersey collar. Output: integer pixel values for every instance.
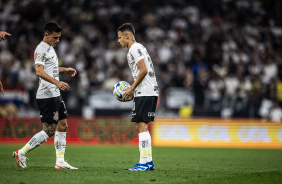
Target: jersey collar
(46, 45)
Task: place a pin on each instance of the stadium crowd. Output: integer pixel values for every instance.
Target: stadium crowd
(226, 52)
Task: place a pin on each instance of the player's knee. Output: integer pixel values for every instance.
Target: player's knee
(49, 129)
(65, 127)
(142, 127)
(50, 132)
(62, 126)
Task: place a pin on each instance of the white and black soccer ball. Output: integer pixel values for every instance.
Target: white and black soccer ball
(119, 88)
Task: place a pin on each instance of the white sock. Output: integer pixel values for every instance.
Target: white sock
(60, 145)
(143, 147)
(149, 159)
(34, 142)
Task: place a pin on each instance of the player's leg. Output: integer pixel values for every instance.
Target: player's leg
(60, 137)
(150, 158)
(142, 129)
(49, 119)
(151, 115)
(145, 145)
(60, 140)
(35, 141)
(60, 145)
(141, 114)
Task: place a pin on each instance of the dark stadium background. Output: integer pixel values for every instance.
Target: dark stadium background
(190, 42)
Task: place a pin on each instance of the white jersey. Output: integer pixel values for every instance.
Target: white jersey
(149, 85)
(45, 55)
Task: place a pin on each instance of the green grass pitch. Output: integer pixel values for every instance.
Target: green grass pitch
(106, 164)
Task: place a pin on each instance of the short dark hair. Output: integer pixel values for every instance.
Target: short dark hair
(126, 27)
(51, 27)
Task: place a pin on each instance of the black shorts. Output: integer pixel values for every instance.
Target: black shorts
(52, 109)
(144, 108)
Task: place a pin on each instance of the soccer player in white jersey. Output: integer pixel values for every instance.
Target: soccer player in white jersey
(53, 112)
(2, 37)
(144, 90)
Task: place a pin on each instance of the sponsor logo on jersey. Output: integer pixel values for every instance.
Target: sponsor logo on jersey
(139, 51)
(156, 88)
(56, 116)
(151, 74)
(132, 58)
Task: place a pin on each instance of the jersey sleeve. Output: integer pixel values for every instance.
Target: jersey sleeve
(39, 57)
(137, 54)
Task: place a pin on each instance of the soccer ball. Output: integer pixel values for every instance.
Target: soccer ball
(119, 87)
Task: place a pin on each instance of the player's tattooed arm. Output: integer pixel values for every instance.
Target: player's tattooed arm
(49, 128)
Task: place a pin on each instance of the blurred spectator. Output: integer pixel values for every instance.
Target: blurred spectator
(6, 56)
(200, 85)
(214, 92)
(243, 94)
(275, 114)
(231, 87)
(270, 70)
(279, 91)
(265, 108)
(185, 111)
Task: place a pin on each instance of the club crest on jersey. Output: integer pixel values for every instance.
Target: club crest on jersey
(37, 56)
(40, 57)
(56, 116)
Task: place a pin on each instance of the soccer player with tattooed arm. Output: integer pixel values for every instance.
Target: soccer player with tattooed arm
(53, 112)
(143, 92)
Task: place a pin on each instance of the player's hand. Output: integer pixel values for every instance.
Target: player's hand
(128, 95)
(3, 34)
(71, 71)
(1, 88)
(121, 100)
(128, 98)
(63, 86)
